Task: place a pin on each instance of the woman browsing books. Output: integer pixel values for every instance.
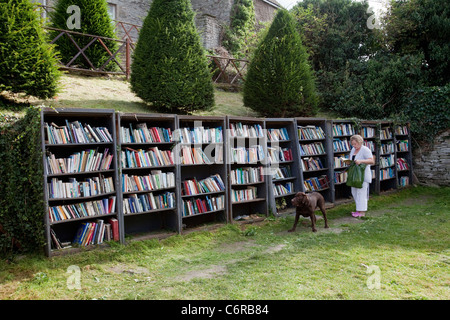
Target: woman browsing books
(361, 154)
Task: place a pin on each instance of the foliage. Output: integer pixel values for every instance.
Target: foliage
(427, 108)
(337, 41)
(239, 36)
(279, 81)
(21, 184)
(27, 62)
(376, 87)
(95, 20)
(421, 27)
(170, 68)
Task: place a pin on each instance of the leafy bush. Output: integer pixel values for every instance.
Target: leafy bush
(95, 20)
(427, 109)
(170, 68)
(27, 62)
(279, 81)
(21, 184)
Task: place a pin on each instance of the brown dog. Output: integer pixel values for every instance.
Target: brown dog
(305, 205)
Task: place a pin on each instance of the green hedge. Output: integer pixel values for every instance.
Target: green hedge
(21, 184)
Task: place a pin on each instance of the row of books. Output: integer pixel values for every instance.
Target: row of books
(154, 181)
(277, 134)
(387, 161)
(277, 155)
(83, 161)
(94, 186)
(83, 209)
(282, 173)
(385, 133)
(317, 183)
(370, 144)
(387, 173)
(153, 157)
(343, 129)
(368, 132)
(143, 134)
(199, 135)
(340, 177)
(213, 183)
(252, 154)
(387, 148)
(203, 205)
(403, 181)
(283, 189)
(138, 203)
(75, 132)
(401, 130)
(312, 149)
(310, 133)
(339, 162)
(402, 145)
(402, 164)
(341, 145)
(250, 193)
(198, 156)
(311, 164)
(246, 131)
(247, 175)
(91, 233)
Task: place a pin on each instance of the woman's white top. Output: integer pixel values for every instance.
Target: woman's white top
(364, 154)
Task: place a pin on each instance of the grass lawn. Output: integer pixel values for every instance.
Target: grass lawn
(403, 242)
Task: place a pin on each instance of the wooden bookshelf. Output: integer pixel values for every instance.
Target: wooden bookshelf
(80, 178)
(315, 145)
(370, 134)
(387, 172)
(403, 155)
(203, 186)
(341, 131)
(285, 180)
(148, 175)
(247, 166)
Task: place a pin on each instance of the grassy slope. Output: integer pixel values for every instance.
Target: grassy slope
(406, 235)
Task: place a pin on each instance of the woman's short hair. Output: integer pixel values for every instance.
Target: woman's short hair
(357, 138)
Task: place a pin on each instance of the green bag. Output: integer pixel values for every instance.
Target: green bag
(355, 174)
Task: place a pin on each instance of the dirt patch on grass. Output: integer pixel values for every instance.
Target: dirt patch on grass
(207, 273)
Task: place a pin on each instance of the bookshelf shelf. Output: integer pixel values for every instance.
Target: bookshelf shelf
(246, 163)
(148, 174)
(286, 182)
(202, 170)
(78, 152)
(403, 157)
(315, 168)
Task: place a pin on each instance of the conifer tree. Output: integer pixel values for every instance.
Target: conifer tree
(27, 62)
(94, 20)
(279, 81)
(169, 68)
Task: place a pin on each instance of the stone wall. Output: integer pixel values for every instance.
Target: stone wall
(431, 164)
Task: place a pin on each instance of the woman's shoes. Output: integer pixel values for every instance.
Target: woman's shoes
(357, 214)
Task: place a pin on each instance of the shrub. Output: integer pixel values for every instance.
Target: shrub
(95, 20)
(427, 109)
(170, 68)
(27, 62)
(279, 81)
(21, 184)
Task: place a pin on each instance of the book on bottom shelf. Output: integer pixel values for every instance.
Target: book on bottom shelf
(89, 233)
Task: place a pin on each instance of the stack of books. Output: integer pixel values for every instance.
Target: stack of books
(154, 181)
(75, 132)
(143, 134)
(310, 133)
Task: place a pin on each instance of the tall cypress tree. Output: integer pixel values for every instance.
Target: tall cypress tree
(170, 68)
(279, 81)
(94, 20)
(27, 61)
